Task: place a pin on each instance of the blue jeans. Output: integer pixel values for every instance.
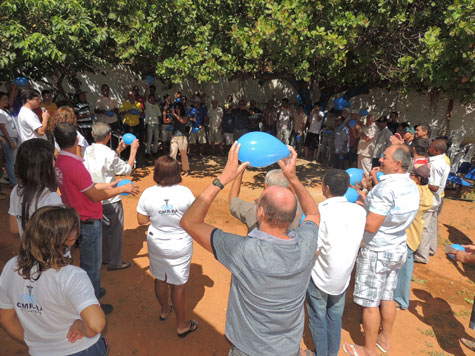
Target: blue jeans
(9, 161)
(402, 292)
(90, 247)
(325, 312)
(100, 348)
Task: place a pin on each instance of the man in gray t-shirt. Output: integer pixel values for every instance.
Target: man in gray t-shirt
(270, 267)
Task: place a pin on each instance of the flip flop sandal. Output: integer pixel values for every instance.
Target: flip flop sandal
(381, 348)
(193, 327)
(468, 343)
(352, 348)
(163, 318)
(123, 265)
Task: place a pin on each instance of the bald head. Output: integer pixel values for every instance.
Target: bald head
(438, 147)
(279, 205)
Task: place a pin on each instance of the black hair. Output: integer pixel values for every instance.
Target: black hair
(421, 146)
(65, 134)
(45, 91)
(35, 171)
(337, 180)
(425, 127)
(28, 94)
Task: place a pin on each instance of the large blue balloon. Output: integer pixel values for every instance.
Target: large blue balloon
(352, 123)
(351, 195)
(356, 175)
(128, 138)
(21, 81)
(261, 149)
(124, 182)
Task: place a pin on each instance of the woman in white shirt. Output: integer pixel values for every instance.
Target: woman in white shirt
(36, 183)
(44, 301)
(169, 247)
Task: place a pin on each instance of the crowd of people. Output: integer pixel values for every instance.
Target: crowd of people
(295, 251)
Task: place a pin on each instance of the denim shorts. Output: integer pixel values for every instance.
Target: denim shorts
(100, 348)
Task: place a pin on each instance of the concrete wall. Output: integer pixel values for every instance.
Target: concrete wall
(413, 108)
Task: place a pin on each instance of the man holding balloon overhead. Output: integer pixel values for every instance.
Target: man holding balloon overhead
(391, 205)
(270, 266)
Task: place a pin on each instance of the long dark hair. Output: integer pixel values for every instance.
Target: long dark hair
(35, 172)
(44, 242)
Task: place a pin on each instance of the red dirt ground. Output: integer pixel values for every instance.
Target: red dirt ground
(440, 302)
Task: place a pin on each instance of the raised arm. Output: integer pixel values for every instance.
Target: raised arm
(309, 206)
(193, 220)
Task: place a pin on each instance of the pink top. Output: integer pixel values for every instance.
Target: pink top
(74, 179)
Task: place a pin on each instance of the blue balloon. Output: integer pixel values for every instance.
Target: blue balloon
(346, 103)
(351, 195)
(124, 182)
(128, 138)
(303, 218)
(261, 149)
(457, 247)
(379, 175)
(21, 81)
(178, 100)
(298, 137)
(352, 123)
(195, 129)
(363, 112)
(109, 113)
(149, 79)
(356, 175)
(338, 107)
(134, 112)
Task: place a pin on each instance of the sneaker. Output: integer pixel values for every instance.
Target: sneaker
(4, 180)
(107, 308)
(102, 292)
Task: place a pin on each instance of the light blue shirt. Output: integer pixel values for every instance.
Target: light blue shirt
(396, 196)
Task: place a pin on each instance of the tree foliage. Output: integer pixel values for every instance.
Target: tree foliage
(337, 44)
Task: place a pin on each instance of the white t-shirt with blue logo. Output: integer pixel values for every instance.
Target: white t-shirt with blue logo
(48, 307)
(165, 206)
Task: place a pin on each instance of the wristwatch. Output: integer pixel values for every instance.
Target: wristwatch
(217, 183)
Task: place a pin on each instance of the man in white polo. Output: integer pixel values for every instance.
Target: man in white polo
(391, 205)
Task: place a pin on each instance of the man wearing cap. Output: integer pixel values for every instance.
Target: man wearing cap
(420, 175)
(439, 172)
(270, 267)
(391, 206)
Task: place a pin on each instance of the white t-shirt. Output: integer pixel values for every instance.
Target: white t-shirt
(46, 198)
(339, 236)
(439, 172)
(48, 307)
(165, 206)
(9, 121)
(28, 122)
(152, 114)
(315, 125)
(104, 164)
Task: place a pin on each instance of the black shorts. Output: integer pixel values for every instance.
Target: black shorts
(312, 140)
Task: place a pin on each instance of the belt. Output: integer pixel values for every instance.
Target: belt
(89, 221)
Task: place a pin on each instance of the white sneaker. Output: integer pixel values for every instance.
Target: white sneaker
(4, 180)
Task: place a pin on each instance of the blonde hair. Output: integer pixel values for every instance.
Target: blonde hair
(65, 114)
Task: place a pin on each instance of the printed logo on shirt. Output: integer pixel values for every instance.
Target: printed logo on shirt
(167, 209)
(28, 302)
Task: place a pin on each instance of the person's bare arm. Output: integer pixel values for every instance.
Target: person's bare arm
(44, 123)
(193, 219)
(373, 222)
(235, 187)
(433, 188)
(12, 224)
(309, 206)
(10, 322)
(92, 322)
(3, 128)
(143, 219)
(133, 152)
(95, 193)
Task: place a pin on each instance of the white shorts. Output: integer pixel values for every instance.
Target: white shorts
(228, 138)
(214, 135)
(170, 257)
(199, 137)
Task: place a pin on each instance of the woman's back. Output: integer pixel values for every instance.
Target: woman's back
(48, 306)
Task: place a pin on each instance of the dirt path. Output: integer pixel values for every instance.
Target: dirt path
(440, 302)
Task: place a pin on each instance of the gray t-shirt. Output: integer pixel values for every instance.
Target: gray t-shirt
(270, 277)
(246, 213)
